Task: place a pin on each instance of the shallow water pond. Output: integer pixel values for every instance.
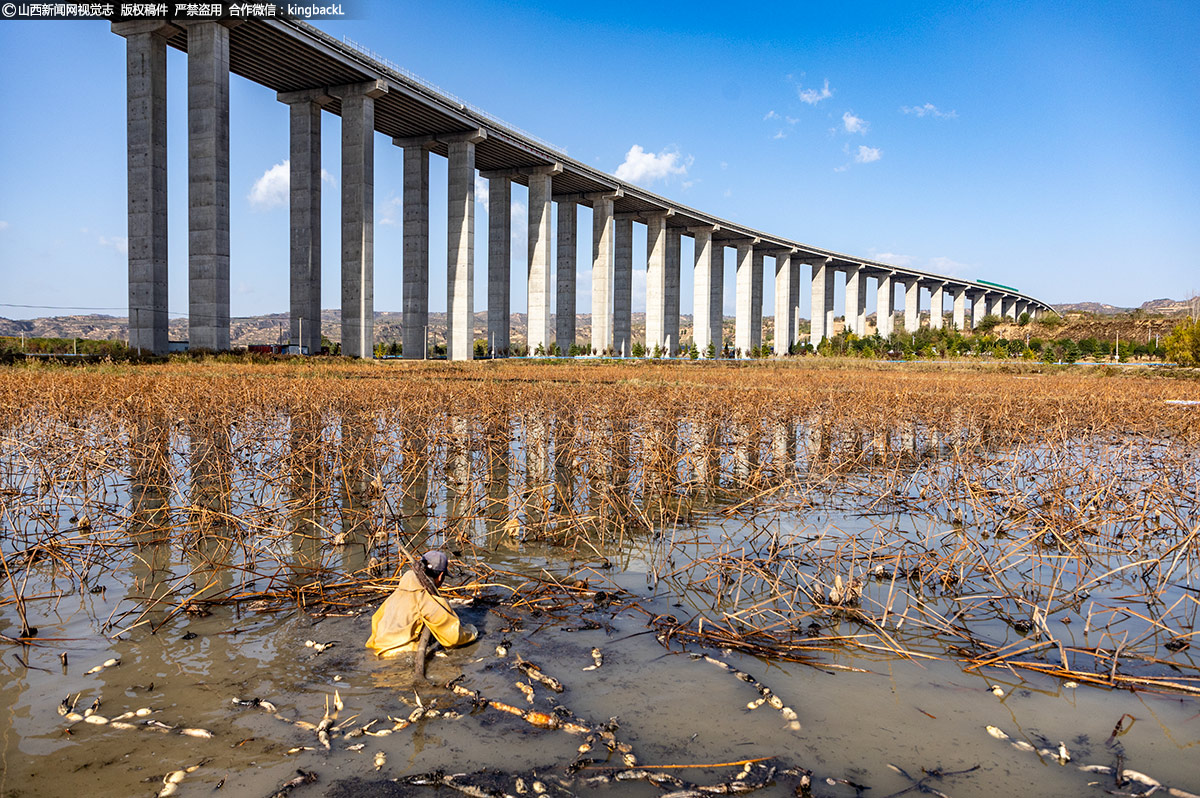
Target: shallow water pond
(673, 709)
(899, 590)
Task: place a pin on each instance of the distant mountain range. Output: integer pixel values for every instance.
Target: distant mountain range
(272, 328)
(1163, 307)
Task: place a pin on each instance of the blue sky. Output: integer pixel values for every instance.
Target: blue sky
(1048, 146)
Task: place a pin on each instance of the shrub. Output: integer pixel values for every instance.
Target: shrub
(1183, 344)
(988, 323)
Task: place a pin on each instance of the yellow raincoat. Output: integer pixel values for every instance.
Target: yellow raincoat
(396, 625)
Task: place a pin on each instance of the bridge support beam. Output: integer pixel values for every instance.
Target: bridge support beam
(623, 285)
(539, 261)
(784, 318)
(656, 281)
(304, 112)
(460, 245)
(856, 301)
(743, 322)
(912, 304)
(706, 281)
(794, 300)
(1010, 307)
(146, 166)
(960, 307)
(822, 274)
(358, 216)
(937, 305)
(208, 186)
(756, 300)
(415, 265)
(978, 308)
(565, 276)
(671, 323)
(499, 309)
(603, 235)
(885, 306)
(995, 304)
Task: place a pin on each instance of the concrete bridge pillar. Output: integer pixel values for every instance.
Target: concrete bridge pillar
(499, 308)
(1010, 307)
(912, 304)
(885, 306)
(208, 186)
(743, 336)
(784, 320)
(855, 301)
(656, 280)
(564, 316)
(995, 304)
(756, 299)
(671, 324)
(960, 306)
(978, 307)
(358, 215)
(794, 300)
(539, 260)
(706, 315)
(937, 306)
(415, 265)
(623, 285)
(146, 166)
(822, 282)
(603, 235)
(460, 244)
(304, 112)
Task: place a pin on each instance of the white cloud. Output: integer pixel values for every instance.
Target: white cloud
(271, 190)
(928, 109)
(938, 265)
(854, 124)
(686, 184)
(646, 167)
(3, 225)
(481, 191)
(867, 154)
(770, 115)
(326, 176)
(724, 164)
(895, 259)
(390, 211)
(814, 96)
(519, 227)
(947, 266)
(118, 243)
(791, 120)
(779, 135)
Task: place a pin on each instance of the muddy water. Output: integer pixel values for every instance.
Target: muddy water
(862, 709)
(672, 708)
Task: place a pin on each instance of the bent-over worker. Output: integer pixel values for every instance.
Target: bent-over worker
(396, 625)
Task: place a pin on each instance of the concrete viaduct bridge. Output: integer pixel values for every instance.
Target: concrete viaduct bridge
(313, 73)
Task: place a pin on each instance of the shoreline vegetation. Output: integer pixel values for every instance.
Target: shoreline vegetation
(1063, 340)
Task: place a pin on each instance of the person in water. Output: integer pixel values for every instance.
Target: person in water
(414, 604)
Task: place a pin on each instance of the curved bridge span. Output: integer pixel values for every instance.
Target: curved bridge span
(313, 73)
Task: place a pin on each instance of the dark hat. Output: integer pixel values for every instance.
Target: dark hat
(435, 561)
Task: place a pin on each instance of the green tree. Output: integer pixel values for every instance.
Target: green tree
(638, 349)
(1183, 344)
(988, 323)
(1023, 319)
(711, 352)
(693, 352)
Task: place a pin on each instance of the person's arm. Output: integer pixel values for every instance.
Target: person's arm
(444, 623)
